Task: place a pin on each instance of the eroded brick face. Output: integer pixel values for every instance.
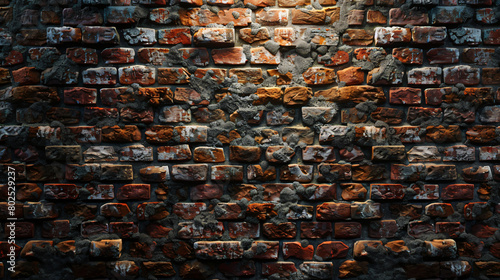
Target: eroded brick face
(254, 139)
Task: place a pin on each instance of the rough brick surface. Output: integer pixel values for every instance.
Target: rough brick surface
(253, 139)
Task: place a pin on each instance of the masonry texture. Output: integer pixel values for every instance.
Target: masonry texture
(254, 139)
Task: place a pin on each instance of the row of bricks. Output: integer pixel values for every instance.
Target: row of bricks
(177, 114)
(146, 76)
(284, 270)
(329, 134)
(237, 56)
(291, 96)
(234, 250)
(270, 192)
(237, 230)
(225, 37)
(320, 229)
(120, 15)
(318, 154)
(326, 172)
(328, 211)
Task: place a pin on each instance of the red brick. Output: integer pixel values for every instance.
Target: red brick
(204, 17)
(83, 56)
(100, 35)
(383, 229)
(85, 16)
(357, 37)
(142, 75)
(295, 250)
(408, 55)
(229, 56)
(486, 15)
(270, 17)
(333, 211)
(218, 250)
(364, 248)
(118, 55)
(385, 36)
(280, 269)
(461, 74)
(174, 36)
(280, 231)
(402, 17)
(315, 230)
(450, 15)
(428, 35)
(100, 76)
(63, 35)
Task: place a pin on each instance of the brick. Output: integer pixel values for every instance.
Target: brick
(356, 17)
(450, 15)
(486, 15)
(215, 37)
(85, 16)
(204, 17)
(284, 36)
(159, 269)
(385, 36)
(465, 35)
(314, 17)
(151, 211)
(12, 58)
(375, 17)
(443, 55)
(117, 15)
(218, 250)
(271, 17)
(174, 36)
(100, 76)
(280, 231)
(193, 172)
(229, 56)
(142, 75)
(428, 35)
(402, 17)
(363, 248)
(339, 58)
(383, 229)
(481, 134)
(189, 230)
(261, 55)
(50, 17)
(100, 35)
(218, 75)
(408, 55)
(248, 36)
(357, 37)
(442, 248)
(126, 134)
(490, 76)
(118, 55)
(85, 56)
(233, 173)
(107, 248)
(461, 74)
(351, 76)
(293, 3)
(333, 211)
(320, 36)
(63, 35)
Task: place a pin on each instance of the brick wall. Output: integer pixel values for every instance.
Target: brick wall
(254, 139)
